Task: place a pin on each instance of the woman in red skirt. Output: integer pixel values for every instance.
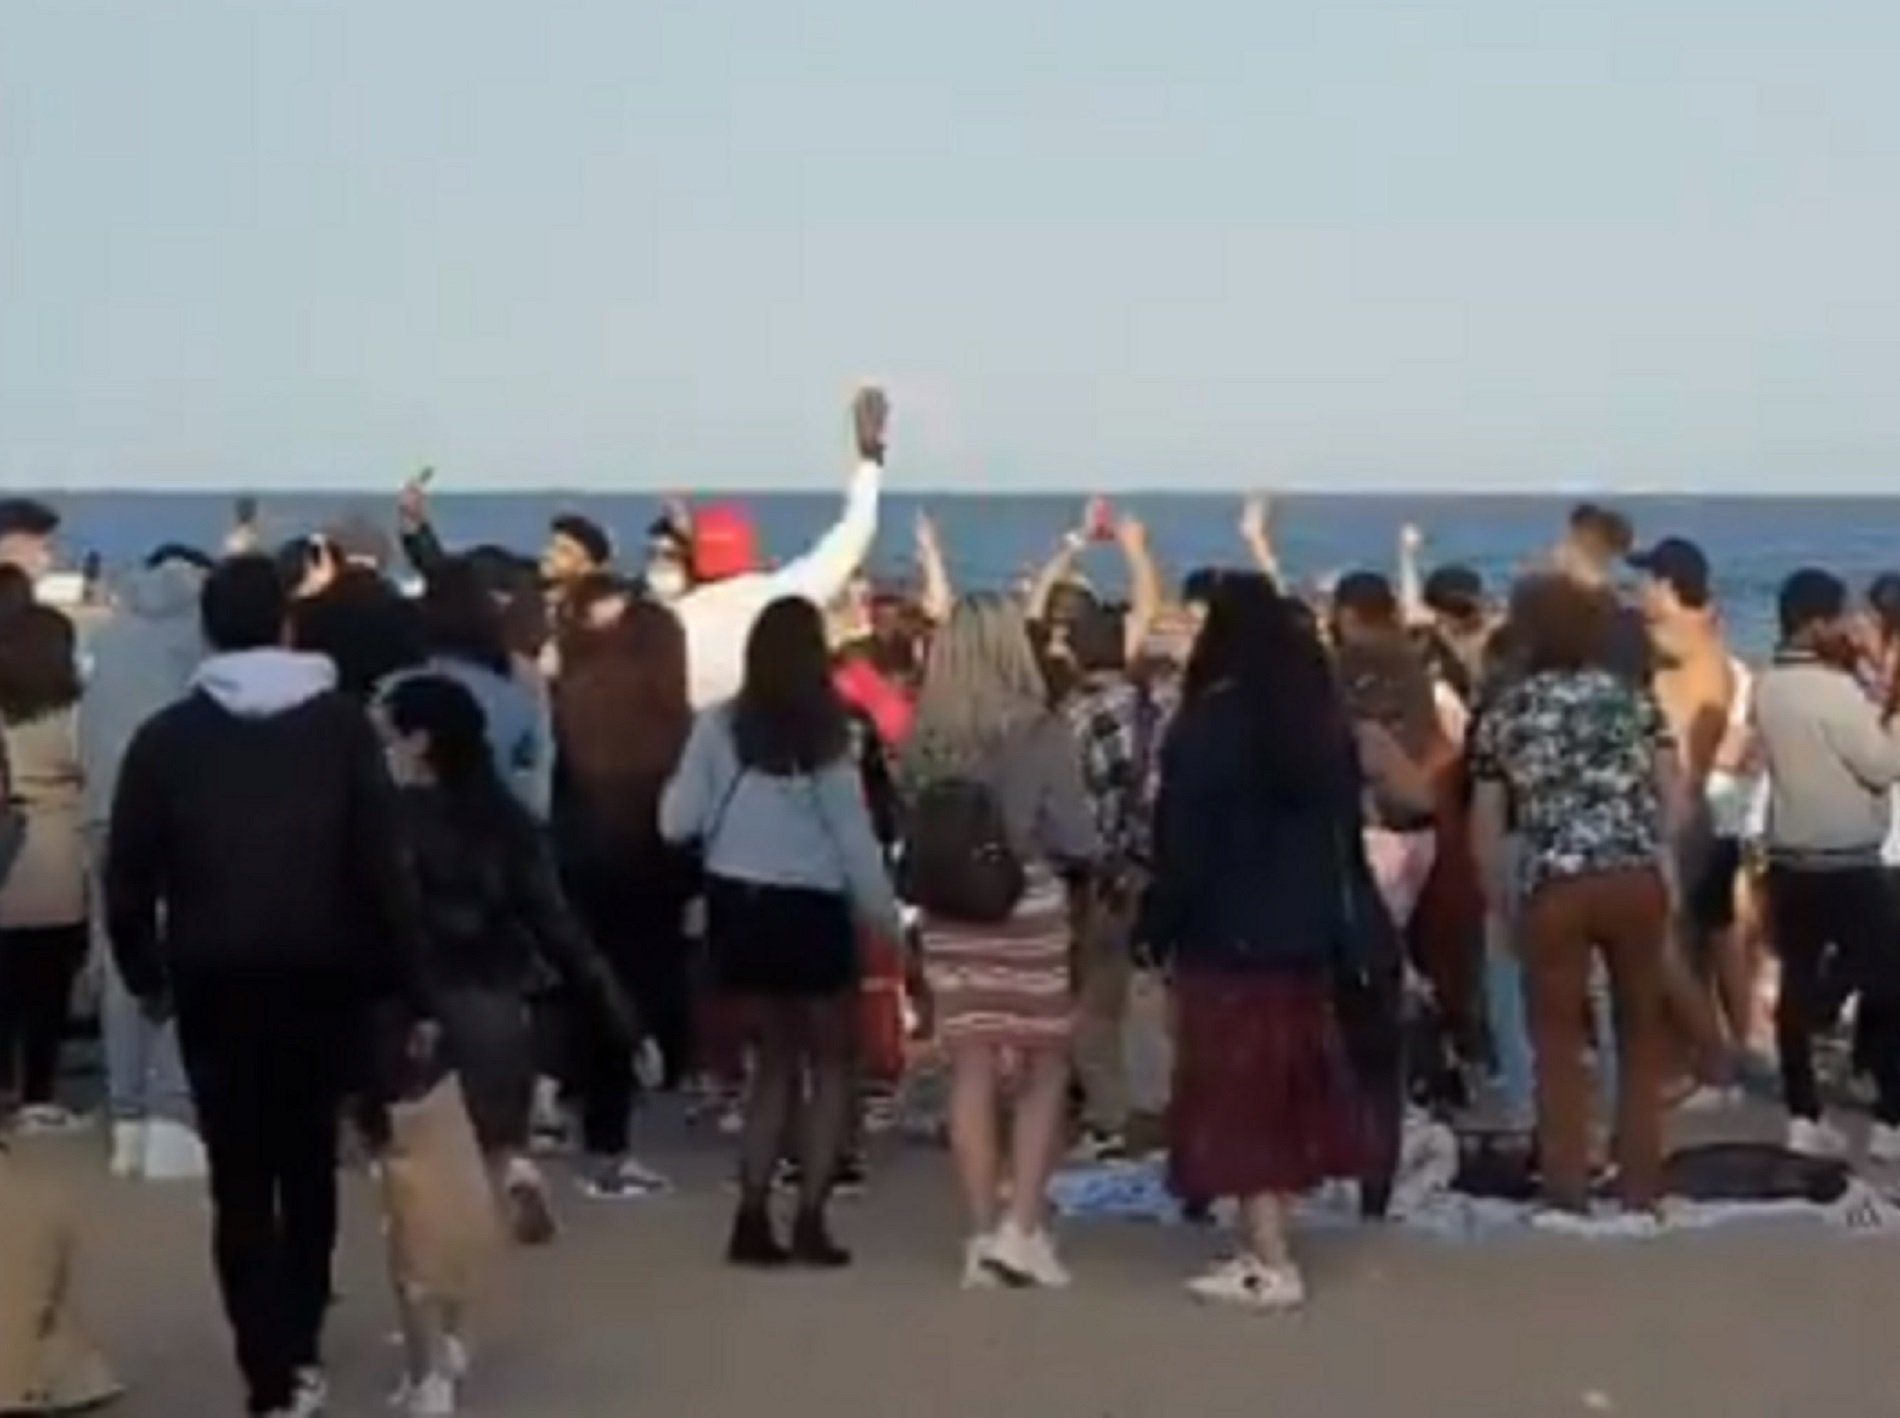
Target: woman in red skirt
(1260, 897)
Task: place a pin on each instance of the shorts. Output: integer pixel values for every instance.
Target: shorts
(1707, 876)
(780, 942)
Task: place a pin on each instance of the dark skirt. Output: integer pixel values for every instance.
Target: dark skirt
(1264, 1099)
(780, 942)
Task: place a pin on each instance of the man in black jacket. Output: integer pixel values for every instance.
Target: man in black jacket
(256, 886)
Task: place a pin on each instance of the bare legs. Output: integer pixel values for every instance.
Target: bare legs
(1018, 1250)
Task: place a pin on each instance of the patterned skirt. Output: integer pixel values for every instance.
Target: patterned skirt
(1006, 985)
(1264, 1098)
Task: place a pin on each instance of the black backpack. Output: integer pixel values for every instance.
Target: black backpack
(958, 865)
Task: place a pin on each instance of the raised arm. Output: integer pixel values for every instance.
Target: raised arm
(821, 573)
(938, 596)
(1144, 584)
(1411, 580)
(1256, 532)
(419, 540)
(1055, 572)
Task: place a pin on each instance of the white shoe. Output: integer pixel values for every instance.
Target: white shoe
(1815, 1138)
(454, 1358)
(430, 1397)
(47, 1120)
(173, 1153)
(1598, 1224)
(1883, 1143)
(1247, 1284)
(311, 1396)
(1026, 1260)
(128, 1150)
(977, 1274)
(1708, 1098)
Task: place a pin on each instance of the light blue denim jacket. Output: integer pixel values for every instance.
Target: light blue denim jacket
(812, 830)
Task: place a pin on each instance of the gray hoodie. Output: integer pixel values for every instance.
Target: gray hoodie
(1831, 765)
(142, 659)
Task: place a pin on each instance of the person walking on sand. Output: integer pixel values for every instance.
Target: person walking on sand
(256, 888)
(493, 911)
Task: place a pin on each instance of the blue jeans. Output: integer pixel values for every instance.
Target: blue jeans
(145, 1078)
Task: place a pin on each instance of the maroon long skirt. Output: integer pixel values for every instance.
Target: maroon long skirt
(1264, 1099)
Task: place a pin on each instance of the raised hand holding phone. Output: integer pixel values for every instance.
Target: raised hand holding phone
(870, 419)
(412, 506)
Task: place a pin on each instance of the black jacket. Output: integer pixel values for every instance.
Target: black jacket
(255, 834)
(493, 911)
(1259, 854)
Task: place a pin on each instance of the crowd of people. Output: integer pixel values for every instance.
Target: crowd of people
(578, 831)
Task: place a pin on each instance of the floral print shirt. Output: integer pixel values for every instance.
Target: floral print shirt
(1577, 751)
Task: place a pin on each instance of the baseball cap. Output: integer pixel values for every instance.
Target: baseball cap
(725, 544)
(1679, 564)
(1454, 591)
(586, 534)
(1809, 597)
(27, 517)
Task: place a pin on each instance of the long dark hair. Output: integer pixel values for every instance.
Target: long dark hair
(458, 752)
(460, 617)
(788, 718)
(1263, 649)
(39, 669)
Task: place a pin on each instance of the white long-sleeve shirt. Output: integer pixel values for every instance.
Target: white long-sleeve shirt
(718, 617)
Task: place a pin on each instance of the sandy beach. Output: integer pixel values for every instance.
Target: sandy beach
(631, 1313)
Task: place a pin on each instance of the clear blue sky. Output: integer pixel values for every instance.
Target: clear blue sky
(620, 243)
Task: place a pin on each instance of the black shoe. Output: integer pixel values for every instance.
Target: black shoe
(753, 1244)
(812, 1244)
(853, 1178)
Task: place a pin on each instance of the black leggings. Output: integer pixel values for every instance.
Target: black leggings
(1835, 932)
(38, 965)
(803, 1096)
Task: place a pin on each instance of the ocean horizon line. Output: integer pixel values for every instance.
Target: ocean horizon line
(897, 487)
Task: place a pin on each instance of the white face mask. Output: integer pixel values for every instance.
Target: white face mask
(666, 581)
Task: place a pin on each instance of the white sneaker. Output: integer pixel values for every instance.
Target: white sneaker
(1026, 1260)
(454, 1358)
(1883, 1143)
(1247, 1284)
(47, 1120)
(311, 1396)
(1815, 1138)
(430, 1397)
(128, 1150)
(1598, 1224)
(1708, 1098)
(173, 1153)
(977, 1274)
